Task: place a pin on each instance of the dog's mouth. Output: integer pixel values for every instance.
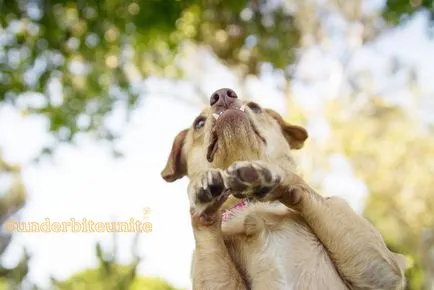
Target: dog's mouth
(231, 117)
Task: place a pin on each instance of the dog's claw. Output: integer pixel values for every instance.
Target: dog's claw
(208, 193)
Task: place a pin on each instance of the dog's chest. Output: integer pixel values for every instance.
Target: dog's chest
(259, 260)
(279, 248)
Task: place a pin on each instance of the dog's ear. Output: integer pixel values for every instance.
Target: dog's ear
(176, 166)
(294, 135)
(401, 260)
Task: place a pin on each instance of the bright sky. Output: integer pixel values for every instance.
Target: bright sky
(85, 181)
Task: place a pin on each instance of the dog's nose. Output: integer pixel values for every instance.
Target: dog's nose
(223, 98)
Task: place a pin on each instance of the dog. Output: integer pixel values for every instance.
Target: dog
(257, 224)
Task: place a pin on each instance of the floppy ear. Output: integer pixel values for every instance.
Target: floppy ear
(176, 167)
(294, 135)
(401, 260)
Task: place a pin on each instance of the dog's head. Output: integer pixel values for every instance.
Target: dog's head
(232, 130)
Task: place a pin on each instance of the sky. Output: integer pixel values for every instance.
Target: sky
(87, 182)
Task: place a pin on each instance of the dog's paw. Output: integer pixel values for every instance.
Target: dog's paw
(253, 179)
(204, 220)
(207, 192)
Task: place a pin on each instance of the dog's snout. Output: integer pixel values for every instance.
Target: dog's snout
(223, 98)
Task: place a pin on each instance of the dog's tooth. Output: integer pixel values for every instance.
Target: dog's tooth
(216, 116)
(243, 108)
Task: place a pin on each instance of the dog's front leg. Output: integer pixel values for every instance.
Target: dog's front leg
(355, 246)
(212, 265)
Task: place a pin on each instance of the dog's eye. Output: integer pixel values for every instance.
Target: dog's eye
(199, 122)
(254, 107)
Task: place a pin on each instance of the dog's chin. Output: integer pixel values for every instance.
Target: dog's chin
(231, 123)
(234, 138)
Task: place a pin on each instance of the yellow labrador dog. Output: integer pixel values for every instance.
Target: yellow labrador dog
(257, 224)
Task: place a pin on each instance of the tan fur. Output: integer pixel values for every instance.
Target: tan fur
(292, 237)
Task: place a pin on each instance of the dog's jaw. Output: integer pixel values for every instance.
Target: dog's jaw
(233, 137)
(217, 114)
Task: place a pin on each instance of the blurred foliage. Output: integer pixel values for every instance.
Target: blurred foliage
(110, 275)
(397, 11)
(80, 58)
(86, 56)
(11, 201)
(93, 279)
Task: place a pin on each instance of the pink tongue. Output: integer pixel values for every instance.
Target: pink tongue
(229, 213)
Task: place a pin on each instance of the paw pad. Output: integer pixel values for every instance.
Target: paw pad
(251, 179)
(247, 174)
